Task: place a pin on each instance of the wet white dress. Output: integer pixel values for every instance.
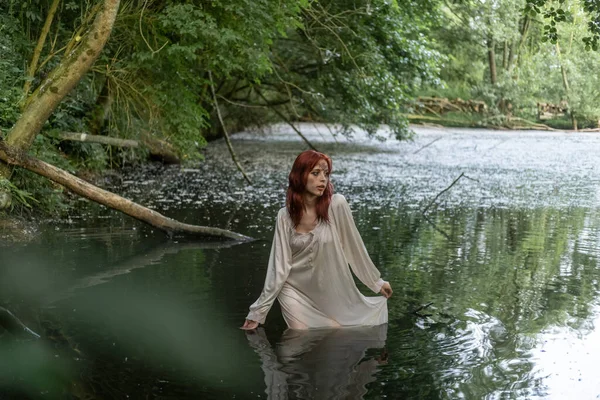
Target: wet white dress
(308, 273)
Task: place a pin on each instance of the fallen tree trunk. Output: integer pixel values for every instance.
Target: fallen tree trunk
(16, 157)
(157, 148)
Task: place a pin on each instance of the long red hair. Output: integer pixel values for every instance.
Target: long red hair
(305, 162)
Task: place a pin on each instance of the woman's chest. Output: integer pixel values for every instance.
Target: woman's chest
(313, 244)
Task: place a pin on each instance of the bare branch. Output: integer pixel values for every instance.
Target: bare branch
(142, 32)
(442, 192)
(227, 140)
(428, 144)
(286, 120)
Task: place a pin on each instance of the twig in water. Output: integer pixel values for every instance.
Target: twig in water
(436, 228)
(462, 174)
(418, 314)
(427, 145)
(416, 310)
(497, 144)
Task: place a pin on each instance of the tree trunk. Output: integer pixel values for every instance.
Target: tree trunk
(17, 157)
(59, 83)
(492, 60)
(111, 141)
(511, 55)
(565, 81)
(515, 51)
(158, 149)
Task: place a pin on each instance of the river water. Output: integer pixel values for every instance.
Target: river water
(502, 265)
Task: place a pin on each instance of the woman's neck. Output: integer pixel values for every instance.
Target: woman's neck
(310, 201)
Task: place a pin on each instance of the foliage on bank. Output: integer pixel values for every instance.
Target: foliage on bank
(516, 54)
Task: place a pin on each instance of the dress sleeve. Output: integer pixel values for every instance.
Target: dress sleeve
(353, 246)
(277, 271)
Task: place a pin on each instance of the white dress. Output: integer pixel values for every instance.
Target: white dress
(309, 274)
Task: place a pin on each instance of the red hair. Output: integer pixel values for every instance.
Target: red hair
(305, 162)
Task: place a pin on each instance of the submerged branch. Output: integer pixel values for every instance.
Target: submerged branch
(417, 310)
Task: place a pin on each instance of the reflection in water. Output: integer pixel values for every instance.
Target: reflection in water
(143, 259)
(320, 363)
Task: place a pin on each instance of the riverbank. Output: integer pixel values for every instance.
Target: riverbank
(503, 122)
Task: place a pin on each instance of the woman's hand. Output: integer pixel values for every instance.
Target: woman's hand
(386, 290)
(250, 325)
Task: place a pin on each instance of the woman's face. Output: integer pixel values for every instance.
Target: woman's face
(318, 178)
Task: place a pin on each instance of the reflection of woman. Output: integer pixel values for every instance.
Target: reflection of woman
(315, 240)
(320, 363)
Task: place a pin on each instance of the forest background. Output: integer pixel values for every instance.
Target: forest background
(171, 75)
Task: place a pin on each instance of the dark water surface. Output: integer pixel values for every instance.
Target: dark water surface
(506, 260)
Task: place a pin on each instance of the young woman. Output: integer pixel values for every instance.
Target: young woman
(315, 240)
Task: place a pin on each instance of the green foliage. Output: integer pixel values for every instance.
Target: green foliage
(20, 198)
(327, 61)
(157, 71)
(556, 15)
(352, 66)
(12, 73)
(229, 36)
